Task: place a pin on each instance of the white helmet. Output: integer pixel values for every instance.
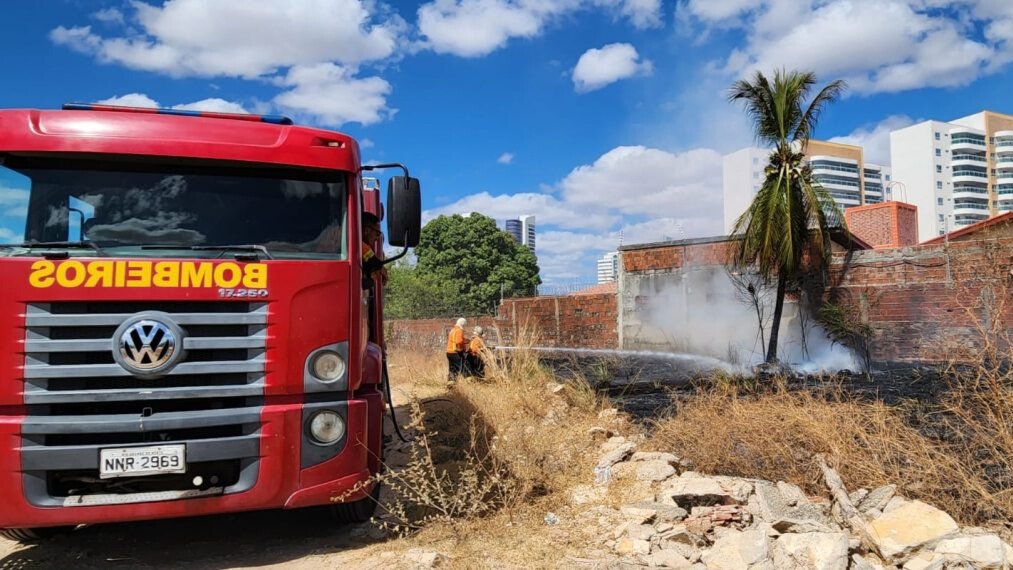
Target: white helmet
(461, 322)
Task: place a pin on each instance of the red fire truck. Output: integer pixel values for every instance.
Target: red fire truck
(187, 328)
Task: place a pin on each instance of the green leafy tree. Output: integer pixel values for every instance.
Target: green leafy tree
(412, 294)
(472, 255)
(785, 230)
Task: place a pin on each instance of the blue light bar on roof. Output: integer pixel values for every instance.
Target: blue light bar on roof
(273, 119)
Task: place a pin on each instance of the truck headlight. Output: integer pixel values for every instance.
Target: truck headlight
(327, 427)
(328, 366)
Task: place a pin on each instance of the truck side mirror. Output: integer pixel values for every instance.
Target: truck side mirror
(404, 211)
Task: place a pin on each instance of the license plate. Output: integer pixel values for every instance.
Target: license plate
(142, 461)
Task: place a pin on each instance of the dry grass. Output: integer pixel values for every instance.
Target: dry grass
(776, 433)
(490, 458)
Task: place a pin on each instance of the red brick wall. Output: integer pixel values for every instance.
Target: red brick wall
(576, 321)
(890, 224)
(666, 257)
(927, 303)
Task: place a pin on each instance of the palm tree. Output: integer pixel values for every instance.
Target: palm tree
(786, 226)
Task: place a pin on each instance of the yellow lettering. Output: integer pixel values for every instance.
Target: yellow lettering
(99, 272)
(235, 274)
(195, 275)
(166, 274)
(42, 274)
(120, 274)
(63, 274)
(255, 276)
(138, 274)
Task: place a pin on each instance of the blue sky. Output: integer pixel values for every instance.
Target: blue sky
(601, 117)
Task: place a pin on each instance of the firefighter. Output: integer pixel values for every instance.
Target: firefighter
(476, 353)
(456, 350)
(371, 233)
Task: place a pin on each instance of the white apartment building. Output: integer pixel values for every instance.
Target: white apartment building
(841, 169)
(957, 172)
(523, 230)
(608, 267)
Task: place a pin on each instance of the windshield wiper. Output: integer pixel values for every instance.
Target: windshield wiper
(257, 248)
(59, 244)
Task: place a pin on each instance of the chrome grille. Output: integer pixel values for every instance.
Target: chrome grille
(68, 353)
(80, 400)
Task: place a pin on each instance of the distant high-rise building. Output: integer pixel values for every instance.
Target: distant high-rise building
(608, 267)
(523, 230)
(840, 168)
(958, 172)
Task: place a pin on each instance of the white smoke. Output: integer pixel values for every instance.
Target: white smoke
(701, 311)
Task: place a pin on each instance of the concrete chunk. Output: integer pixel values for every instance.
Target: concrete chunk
(812, 551)
(908, 528)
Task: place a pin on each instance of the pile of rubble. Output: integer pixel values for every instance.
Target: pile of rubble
(684, 519)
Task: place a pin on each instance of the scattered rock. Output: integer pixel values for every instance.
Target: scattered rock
(792, 494)
(420, 558)
(859, 562)
(735, 550)
(641, 532)
(768, 504)
(637, 514)
(909, 527)
(668, 559)
(876, 499)
(857, 495)
(926, 561)
(811, 551)
(555, 388)
(681, 534)
(629, 546)
(656, 456)
(599, 434)
(584, 494)
(621, 452)
(697, 491)
(893, 504)
(551, 519)
(982, 551)
(799, 526)
(654, 470)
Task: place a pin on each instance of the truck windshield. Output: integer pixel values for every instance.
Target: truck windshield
(123, 206)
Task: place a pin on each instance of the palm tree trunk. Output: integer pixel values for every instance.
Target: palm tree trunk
(775, 324)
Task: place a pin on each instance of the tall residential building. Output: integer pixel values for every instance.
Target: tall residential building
(608, 267)
(840, 168)
(523, 230)
(958, 172)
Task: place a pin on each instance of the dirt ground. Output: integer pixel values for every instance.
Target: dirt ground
(271, 539)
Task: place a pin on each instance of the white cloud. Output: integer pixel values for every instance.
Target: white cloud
(633, 193)
(305, 47)
(599, 67)
(875, 138)
(241, 39)
(876, 45)
(13, 196)
(474, 28)
(212, 105)
(366, 143)
(8, 235)
(333, 95)
(505, 158)
(130, 100)
(109, 16)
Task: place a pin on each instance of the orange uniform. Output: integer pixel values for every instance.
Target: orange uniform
(477, 345)
(455, 341)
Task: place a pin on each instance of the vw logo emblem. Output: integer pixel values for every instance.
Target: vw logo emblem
(148, 344)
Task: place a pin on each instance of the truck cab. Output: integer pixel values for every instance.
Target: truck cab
(187, 326)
